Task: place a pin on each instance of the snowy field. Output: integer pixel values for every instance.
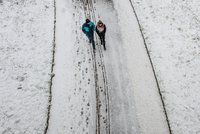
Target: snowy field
(26, 40)
(112, 91)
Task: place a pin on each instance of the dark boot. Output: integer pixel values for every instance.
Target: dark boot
(104, 46)
(104, 43)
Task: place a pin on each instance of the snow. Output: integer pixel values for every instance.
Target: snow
(112, 91)
(26, 37)
(172, 32)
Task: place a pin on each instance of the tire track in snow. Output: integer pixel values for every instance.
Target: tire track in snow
(87, 14)
(102, 97)
(105, 83)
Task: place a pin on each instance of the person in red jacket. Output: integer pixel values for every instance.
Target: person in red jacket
(101, 31)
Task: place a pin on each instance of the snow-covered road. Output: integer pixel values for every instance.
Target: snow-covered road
(102, 91)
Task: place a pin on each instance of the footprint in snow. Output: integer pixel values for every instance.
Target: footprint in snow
(89, 60)
(81, 113)
(88, 81)
(86, 70)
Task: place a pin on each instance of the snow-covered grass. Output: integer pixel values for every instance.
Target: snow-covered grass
(172, 33)
(26, 40)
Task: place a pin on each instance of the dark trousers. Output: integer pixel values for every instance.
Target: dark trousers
(102, 38)
(91, 39)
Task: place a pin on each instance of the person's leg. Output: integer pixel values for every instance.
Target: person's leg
(89, 38)
(92, 39)
(103, 40)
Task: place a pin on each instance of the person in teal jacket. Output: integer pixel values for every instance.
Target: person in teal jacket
(88, 29)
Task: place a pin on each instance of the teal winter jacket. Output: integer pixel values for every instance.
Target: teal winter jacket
(88, 28)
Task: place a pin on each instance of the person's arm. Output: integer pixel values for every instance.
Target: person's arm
(93, 26)
(97, 31)
(104, 28)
